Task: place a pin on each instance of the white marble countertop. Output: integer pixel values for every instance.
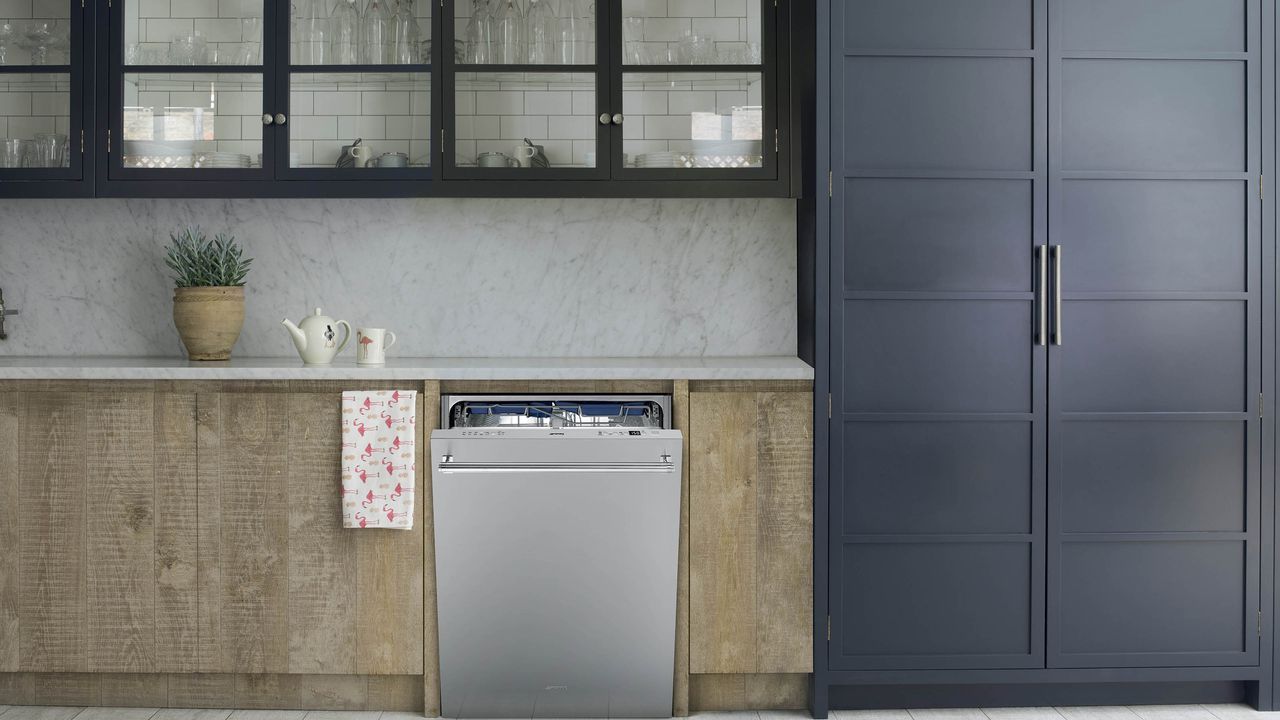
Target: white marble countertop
(427, 368)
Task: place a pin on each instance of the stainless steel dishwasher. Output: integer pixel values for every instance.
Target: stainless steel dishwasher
(557, 525)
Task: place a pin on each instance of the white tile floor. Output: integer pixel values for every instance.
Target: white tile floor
(1137, 712)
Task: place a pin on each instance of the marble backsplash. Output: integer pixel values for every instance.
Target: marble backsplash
(468, 278)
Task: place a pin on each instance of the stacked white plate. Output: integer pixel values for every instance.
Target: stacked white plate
(223, 161)
(661, 160)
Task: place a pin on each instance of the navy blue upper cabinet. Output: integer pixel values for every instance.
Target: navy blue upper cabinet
(45, 83)
(444, 97)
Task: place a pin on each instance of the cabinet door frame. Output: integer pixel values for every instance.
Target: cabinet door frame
(835, 541)
(1257, 527)
(76, 180)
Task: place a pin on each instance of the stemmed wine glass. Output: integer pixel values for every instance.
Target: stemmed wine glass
(34, 38)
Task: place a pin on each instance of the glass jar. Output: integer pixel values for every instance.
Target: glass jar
(311, 30)
(543, 31)
(344, 32)
(577, 32)
(479, 33)
(406, 40)
(375, 34)
(508, 34)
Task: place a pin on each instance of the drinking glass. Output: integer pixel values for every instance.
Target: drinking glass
(697, 50)
(6, 37)
(405, 34)
(34, 38)
(310, 36)
(50, 150)
(543, 27)
(375, 34)
(479, 33)
(509, 41)
(12, 152)
(577, 32)
(344, 32)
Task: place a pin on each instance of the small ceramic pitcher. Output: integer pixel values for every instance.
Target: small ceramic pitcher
(372, 344)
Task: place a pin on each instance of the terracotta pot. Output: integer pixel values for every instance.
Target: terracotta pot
(208, 320)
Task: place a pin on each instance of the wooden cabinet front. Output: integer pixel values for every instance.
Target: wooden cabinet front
(180, 532)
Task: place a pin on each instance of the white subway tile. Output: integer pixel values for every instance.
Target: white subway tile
(240, 102)
(633, 127)
(647, 102)
(727, 100)
(584, 102)
(373, 127)
(302, 103)
(691, 8)
(163, 30)
(398, 126)
(49, 103)
(682, 103)
(570, 127)
(667, 127)
(666, 29)
(721, 29)
(384, 103)
(314, 128)
(250, 128)
(644, 8)
(420, 103)
(219, 30)
(336, 103)
(227, 127)
(15, 9)
(193, 8)
(733, 8)
(504, 102)
(515, 127)
(548, 103)
(15, 103)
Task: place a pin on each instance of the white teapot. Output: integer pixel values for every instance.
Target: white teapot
(315, 338)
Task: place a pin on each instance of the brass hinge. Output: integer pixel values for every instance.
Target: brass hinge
(828, 406)
(830, 183)
(81, 142)
(108, 141)
(828, 628)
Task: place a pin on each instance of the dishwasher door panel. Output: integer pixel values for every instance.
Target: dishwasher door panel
(556, 590)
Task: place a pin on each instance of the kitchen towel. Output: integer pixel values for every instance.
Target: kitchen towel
(378, 460)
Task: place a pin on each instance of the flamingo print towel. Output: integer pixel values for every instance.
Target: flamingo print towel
(378, 467)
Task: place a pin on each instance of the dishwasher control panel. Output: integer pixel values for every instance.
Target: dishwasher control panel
(555, 432)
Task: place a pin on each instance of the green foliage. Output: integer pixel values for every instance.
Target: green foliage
(197, 261)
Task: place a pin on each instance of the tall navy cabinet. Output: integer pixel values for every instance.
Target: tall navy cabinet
(1044, 344)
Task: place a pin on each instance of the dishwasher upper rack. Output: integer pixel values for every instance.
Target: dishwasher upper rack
(595, 411)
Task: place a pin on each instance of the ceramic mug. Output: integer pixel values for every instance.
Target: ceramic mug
(524, 154)
(372, 344)
(360, 154)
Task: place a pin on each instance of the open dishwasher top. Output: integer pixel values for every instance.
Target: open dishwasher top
(518, 412)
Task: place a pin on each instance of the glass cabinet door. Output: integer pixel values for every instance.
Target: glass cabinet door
(526, 89)
(359, 89)
(189, 90)
(41, 90)
(695, 95)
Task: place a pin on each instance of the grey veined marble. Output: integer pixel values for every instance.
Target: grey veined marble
(459, 278)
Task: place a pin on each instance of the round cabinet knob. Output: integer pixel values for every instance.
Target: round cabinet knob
(604, 118)
(281, 119)
(267, 119)
(617, 119)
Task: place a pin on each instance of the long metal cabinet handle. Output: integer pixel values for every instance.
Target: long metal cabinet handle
(1057, 294)
(621, 467)
(1042, 296)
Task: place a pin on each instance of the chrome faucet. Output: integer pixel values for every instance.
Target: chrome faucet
(4, 312)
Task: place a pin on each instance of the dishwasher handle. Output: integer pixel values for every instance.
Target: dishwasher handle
(448, 465)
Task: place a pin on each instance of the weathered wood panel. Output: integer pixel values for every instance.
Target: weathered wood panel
(11, 419)
(177, 632)
(133, 689)
(680, 686)
(255, 525)
(428, 420)
(121, 532)
(722, 532)
(322, 559)
(710, 693)
(784, 533)
(209, 533)
(751, 524)
(390, 587)
(52, 624)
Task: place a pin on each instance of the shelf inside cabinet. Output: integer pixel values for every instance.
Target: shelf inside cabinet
(34, 69)
(347, 69)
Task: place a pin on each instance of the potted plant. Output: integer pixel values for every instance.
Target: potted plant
(208, 298)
